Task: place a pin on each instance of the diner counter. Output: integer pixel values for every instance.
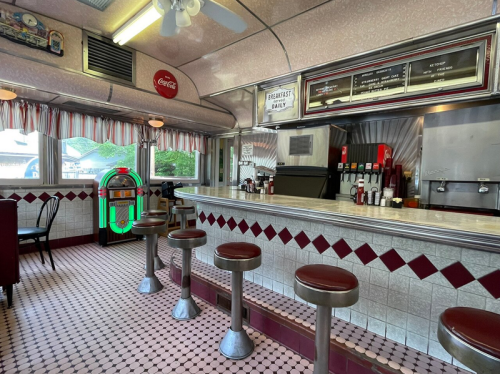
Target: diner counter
(467, 230)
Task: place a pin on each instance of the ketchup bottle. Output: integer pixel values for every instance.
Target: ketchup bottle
(271, 185)
(360, 193)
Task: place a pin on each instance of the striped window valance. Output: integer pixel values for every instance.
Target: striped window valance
(61, 124)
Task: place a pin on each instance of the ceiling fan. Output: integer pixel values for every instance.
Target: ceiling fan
(178, 13)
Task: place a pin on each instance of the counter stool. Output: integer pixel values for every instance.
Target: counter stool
(472, 336)
(150, 227)
(186, 240)
(159, 214)
(328, 287)
(237, 258)
(183, 211)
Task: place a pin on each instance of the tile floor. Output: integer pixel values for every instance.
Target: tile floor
(87, 317)
(366, 344)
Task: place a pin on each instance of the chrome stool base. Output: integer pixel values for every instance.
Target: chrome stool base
(150, 285)
(236, 345)
(186, 309)
(158, 263)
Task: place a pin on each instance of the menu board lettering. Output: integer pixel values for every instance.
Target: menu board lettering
(444, 70)
(381, 82)
(330, 92)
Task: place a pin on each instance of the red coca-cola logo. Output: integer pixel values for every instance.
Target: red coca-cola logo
(165, 84)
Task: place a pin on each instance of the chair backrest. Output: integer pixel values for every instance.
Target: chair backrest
(50, 206)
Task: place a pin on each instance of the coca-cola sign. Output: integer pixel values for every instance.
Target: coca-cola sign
(165, 84)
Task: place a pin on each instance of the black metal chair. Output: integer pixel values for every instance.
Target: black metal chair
(51, 206)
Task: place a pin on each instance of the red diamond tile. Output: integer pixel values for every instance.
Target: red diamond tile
(231, 223)
(270, 232)
(150, 193)
(15, 196)
(70, 196)
(243, 225)
(285, 236)
(157, 193)
(221, 221)
(392, 260)
(321, 244)
(91, 195)
(302, 240)
(59, 195)
(491, 282)
(44, 196)
(457, 275)
(256, 229)
(211, 219)
(29, 197)
(202, 217)
(366, 254)
(422, 267)
(82, 195)
(342, 248)
(1, 197)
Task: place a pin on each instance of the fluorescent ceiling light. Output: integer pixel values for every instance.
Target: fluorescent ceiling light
(136, 24)
(7, 93)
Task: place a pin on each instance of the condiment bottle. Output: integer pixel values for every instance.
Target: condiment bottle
(271, 185)
(361, 192)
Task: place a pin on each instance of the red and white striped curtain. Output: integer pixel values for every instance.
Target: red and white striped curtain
(181, 141)
(61, 124)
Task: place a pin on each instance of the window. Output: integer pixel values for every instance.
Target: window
(83, 158)
(20, 157)
(180, 165)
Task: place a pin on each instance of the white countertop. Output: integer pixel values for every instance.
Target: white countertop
(288, 205)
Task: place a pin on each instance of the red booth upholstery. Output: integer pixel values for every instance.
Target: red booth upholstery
(9, 250)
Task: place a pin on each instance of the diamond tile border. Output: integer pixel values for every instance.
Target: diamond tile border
(456, 274)
(32, 198)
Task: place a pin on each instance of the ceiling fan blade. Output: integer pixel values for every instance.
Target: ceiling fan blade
(223, 16)
(168, 25)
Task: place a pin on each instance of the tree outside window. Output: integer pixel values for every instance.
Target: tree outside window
(180, 164)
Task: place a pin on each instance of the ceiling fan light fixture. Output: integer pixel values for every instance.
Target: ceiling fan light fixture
(156, 122)
(182, 18)
(136, 24)
(193, 7)
(7, 93)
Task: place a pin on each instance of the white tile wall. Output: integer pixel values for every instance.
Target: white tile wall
(397, 305)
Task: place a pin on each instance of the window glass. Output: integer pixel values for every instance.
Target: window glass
(83, 158)
(19, 155)
(174, 164)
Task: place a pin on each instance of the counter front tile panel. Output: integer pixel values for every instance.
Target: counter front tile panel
(405, 284)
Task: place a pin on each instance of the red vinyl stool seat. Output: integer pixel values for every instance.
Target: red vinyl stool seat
(186, 240)
(327, 287)
(237, 258)
(472, 336)
(154, 213)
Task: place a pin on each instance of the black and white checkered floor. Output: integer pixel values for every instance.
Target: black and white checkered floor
(87, 317)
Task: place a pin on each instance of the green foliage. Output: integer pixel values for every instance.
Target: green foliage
(82, 145)
(175, 164)
(106, 150)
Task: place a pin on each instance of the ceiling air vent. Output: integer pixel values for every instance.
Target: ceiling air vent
(105, 59)
(97, 4)
(90, 108)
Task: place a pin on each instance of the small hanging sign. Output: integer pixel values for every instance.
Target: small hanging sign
(247, 150)
(165, 84)
(280, 99)
(24, 28)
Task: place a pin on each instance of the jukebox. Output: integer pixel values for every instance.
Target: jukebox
(117, 203)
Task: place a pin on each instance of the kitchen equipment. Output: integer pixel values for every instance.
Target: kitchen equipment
(460, 158)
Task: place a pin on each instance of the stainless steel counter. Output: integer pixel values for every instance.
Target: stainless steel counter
(471, 231)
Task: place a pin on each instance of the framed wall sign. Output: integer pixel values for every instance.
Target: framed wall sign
(165, 84)
(278, 103)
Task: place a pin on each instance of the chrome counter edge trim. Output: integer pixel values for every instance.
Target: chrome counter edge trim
(484, 242)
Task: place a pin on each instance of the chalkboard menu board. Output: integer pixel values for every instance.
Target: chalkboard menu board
(444, 70)
(379, 82)
(330, 92)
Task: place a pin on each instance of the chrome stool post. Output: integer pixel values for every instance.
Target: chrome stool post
(186, 240)
(237, 258)
(328, 287)
(150, 227)
(158, 214)
(183, 211)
